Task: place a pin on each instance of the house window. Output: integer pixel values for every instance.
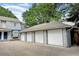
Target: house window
(3, 21)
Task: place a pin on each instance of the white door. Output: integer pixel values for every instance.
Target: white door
(55, 37)
(39, 36)
(29, 36)
(23, 37)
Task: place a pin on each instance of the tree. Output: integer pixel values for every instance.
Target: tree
(41, 13)
(6, 12)
(73, 12)
(75, 9)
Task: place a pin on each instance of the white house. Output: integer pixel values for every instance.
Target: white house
(9, 28)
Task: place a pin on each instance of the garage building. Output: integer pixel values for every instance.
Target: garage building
(54, 33)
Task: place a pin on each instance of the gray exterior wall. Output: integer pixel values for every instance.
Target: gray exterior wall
(66, 38)
(9, 35)
(10, 25)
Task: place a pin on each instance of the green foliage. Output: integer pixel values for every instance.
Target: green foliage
(73, 12)
(6, 12)
(41, 13)
(74, 8)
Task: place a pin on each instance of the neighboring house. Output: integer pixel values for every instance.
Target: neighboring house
(55, 33)
(9, 28)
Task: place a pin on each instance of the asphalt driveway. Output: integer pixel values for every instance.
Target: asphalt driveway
(19, 48)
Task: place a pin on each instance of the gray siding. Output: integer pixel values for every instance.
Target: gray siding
(10, 25)
(66, 38)
(9, 35)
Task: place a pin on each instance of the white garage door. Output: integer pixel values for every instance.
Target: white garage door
(55, 37)
(39, 36)
(23, 37)
(29, 36)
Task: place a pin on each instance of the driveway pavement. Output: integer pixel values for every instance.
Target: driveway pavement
(19, 48)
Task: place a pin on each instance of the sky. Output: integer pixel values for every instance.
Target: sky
(17, 8)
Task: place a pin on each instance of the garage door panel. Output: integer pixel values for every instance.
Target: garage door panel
(29, 37)
(39, 36)
(55, 37)
(23, 37)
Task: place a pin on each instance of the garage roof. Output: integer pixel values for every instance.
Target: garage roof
(47, 26)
